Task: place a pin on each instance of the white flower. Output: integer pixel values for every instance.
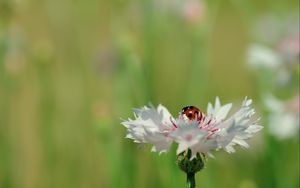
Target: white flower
(202, 134)
(259, 56)
(284, 116)
(151, 126)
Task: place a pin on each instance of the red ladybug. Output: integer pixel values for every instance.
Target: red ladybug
(192, 113)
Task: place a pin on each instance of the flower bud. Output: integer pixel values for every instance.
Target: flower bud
(188, 165)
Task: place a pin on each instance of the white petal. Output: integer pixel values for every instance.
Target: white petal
(210, 109)
(229, 149)
(165, 114)
(223, 111)
(152, 126)
(240, 142)
(204, 146)
(181, 147)
(189, 135)
(217, 103)
(237, 128)
(254, 128)
(219, 112)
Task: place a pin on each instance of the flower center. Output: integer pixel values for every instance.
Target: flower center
(188, 137)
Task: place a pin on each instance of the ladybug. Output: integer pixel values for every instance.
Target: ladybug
(192, 113)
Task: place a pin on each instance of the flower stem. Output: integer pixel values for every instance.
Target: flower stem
(190, 179)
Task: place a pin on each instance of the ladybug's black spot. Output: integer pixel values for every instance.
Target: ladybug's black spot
(184, 109)
(190, 115)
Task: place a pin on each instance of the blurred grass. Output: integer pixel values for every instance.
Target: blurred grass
(69, 70)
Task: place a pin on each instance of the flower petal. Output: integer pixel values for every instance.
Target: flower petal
(219, 112)
(188, 134)
(151, 126)
(237, 128)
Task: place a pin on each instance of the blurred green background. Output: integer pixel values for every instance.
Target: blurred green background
(69, 70)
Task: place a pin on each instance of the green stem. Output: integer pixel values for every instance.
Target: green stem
(190, 179)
